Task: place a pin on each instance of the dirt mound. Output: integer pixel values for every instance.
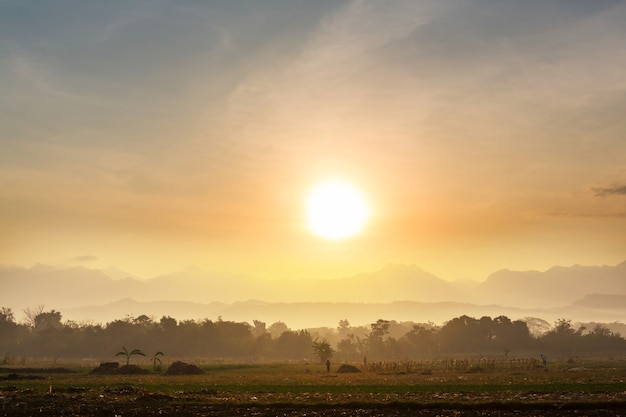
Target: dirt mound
(131, 370)
(106, 368)
(347, 369)
(113, 368)
(182, 368)
(37, 370)
(13, 376)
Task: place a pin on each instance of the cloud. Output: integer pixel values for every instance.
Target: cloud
(586, 215)
(611, 190)
(86, 258)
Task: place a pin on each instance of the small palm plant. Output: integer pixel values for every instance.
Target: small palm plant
(127, 354)
(156, 361)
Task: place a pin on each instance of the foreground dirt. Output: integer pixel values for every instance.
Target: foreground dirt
(130, 401)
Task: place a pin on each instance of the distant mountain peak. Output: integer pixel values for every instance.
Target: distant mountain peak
(554, 288)
(557, 284)
(116, 273)
(602, 301)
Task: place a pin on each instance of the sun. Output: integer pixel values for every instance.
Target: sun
(336, 210)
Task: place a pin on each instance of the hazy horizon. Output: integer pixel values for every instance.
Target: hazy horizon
(117, 272)
(476, 135)
(397, 292)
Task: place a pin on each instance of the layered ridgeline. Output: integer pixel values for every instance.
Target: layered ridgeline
(398, 292)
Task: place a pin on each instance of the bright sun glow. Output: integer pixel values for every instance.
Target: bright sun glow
(336, 210)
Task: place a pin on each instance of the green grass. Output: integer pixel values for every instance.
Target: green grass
(299, 383)
(306, 389)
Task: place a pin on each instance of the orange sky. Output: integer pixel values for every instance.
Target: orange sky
(485, 135)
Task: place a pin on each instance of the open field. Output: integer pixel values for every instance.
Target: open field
(589, 388)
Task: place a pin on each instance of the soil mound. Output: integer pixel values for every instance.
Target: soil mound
(13, 376)
(347, 369)
(113, 368)
(37, 370)
(106, 368)
(131, 370)
(182, 368)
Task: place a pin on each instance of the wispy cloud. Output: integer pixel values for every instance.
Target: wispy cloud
(335, 70)
(192, 116)
(363, 26)
(582, 215)
(610, 190)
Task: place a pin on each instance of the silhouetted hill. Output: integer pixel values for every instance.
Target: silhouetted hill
(296, 315)
(79, 286)
(603, 302)
(194, 293)
(314, 314)
(180, 310)
(556, 286)
(74, 286)
(392, 283)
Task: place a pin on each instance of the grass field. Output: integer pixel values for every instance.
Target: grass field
(593, 387)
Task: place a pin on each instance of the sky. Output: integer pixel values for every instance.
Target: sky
(154, 135)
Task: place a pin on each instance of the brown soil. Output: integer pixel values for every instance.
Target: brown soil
(347, 369)
(131, 401)
(113, 368)
(18, 370)
(182, 368)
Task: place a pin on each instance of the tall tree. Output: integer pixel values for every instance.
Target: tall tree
(323, 350)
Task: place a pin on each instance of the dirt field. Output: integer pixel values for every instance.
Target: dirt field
(288, 390)
(128, 401)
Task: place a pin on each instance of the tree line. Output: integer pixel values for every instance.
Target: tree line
(43, 334)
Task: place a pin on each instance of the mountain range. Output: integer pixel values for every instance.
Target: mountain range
(399, 292)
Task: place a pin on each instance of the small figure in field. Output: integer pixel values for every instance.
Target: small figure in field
(327, 365)
(544, 359)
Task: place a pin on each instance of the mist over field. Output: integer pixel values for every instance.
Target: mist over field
(429, 194)
(398, 292)
(408, 177)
